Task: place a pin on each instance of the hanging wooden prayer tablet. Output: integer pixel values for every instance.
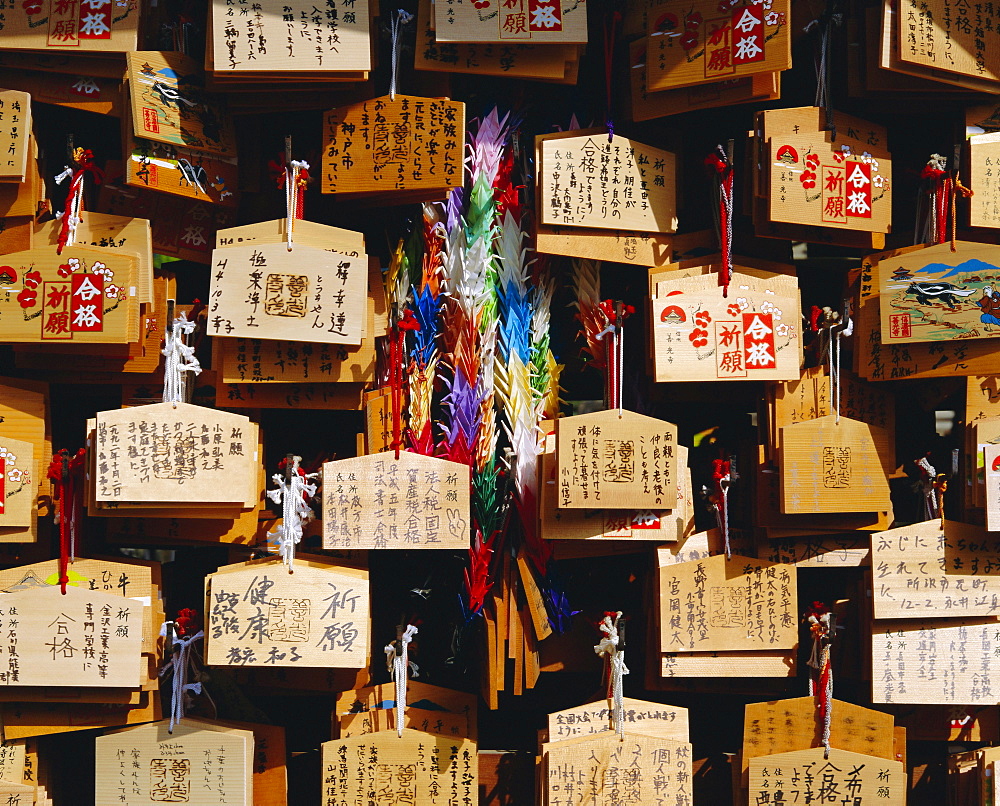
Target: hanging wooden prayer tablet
(608, 460)
(160, 84)
(920, 571)
(705, 41)
(100, 25)
(81, 296)
(647, 718)
(815, 180)
(385, 145)
(984, 181)
(173, 452)
(416, 768)
(935, 661)
(829, 466)
(585, 181)
(603, 768)
(949, 36)
(809, 776)
(18, 482)
(259, 614)
(15, 131)
(519, 21)
(991, 465)
(753, 334)
(716, 605)
(148, 765)
(379, 501)
(268, 292)
(80, 638)
(935, 294)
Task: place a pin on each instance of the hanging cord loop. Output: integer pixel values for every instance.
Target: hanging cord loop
(179, 647)
(612, 649)
(822, 626)
(397, 656)
(616, 312)
(179, 358)
(722, 175)
(72, 213)
(294, 492)
(398, 19)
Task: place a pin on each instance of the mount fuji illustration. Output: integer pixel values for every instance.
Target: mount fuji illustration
(973, 265)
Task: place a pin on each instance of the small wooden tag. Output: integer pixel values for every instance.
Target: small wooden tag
(15, 131)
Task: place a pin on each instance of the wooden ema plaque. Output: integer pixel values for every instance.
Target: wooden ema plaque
(179, 170)
(813, 180)
(935, 294)
(83, 296)
(259, 614)
(705, 41)
(753, 334)
(307, 294)
(379, 501)
(585, 181)
(384, 145)
(609, 461)
(169, 104)
(646, 718)
(439, 723)
(195, 764)
(717, 605)
(831, 467)
(602, 768)
(948, 36)
(918, 571)
(304, 233)
(935, 661)
(458, 707)
(18, 483)
(82, 638)
(173, 452)
(52, 26)
(416, 768)
(808, 776)
(15, 131)
(991, 464)
(984, 180)
(519, 21)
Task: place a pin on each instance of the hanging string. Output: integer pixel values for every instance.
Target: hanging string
(612, 649)
(294, 493)
(844, 328)
(613, 337)
(722, 479)
(940, 488)
(179, 358)
(397, 20)
(928, 475)
(397, 340)
(397, 656)
(935, 189)
(957, 188)
(824, 25)
(296, 179)
(66, 474)
(179, 663)
(821, 622)
(723, 178)
(71, 214)
(610, 34)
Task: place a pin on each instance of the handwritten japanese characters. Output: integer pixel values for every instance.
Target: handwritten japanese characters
(379, 501)
(261, 615)
(81, 296)
(814, 180)
(935, 294)
(647, 718)
(267, 292)
(168, 452)
(416, 768)
(984, 179)
(807, 776)
(289, 36)
(147, 765)
(169, 104)
(753, 334)
(938, 661)
(80, 638)
(705, 41)
(534, 21)
(18, 482)
(716, 604)
(585, 181)
(94, 25)
(831, 467)
(948, 35)
(920, 571)
(601, 768)
(609, 461)
(15, 131)
(386, 145)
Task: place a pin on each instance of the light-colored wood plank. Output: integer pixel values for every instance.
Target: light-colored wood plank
(805, 776)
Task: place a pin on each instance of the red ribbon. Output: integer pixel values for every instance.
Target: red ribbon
(724, 168)
(279, 171)
(66, 474)
(408, 322)
(84, 159)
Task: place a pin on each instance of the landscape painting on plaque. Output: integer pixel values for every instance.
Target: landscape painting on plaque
(935, 294)
(513, 21)
(701, 41)
(753, 334)
(585, 181)
(812, 776)
(378, 501)
(83, 295)
(814, 180)
(181, 171)
(17, 482)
